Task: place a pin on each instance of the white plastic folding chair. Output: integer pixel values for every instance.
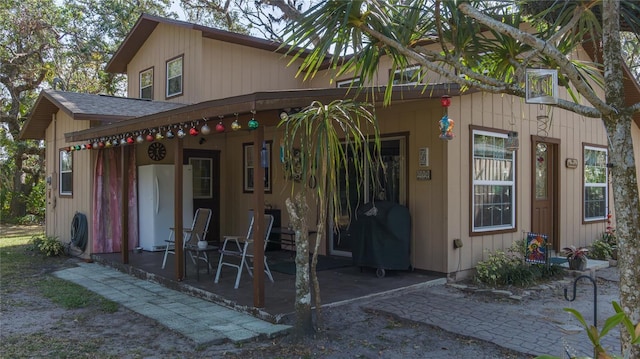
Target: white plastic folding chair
(239, 250)
(191, 236)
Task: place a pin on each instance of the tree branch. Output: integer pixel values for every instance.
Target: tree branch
(545, 48)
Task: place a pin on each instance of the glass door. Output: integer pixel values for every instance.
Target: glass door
(390, 185)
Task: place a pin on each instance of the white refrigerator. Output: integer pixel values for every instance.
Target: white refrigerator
(156, 204)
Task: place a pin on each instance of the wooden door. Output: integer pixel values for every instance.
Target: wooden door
(545, 189)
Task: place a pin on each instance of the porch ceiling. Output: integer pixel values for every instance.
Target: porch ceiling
(259, 102)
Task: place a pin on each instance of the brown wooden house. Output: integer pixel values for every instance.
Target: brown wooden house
(471, 188)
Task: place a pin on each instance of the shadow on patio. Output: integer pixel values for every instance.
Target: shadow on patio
(340, 281)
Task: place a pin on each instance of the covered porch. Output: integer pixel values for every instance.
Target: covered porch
(277, 298)
(340, 281)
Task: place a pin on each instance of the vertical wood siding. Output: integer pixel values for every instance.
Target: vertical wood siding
(60, 210)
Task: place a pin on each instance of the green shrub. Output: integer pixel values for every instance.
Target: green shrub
(503, 269)
(600, 249)
(49, 246)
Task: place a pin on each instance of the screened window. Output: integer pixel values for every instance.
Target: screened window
(146, 84)
(174, 77)
(66, 173)
(494, 183)
(596, 192)
(407, 76)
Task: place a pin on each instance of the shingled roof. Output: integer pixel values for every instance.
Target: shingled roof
(83, 106)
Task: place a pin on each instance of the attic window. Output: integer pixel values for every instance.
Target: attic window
(174, 77)
(146, 84)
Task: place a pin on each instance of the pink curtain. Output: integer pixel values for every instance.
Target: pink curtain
(107, 210)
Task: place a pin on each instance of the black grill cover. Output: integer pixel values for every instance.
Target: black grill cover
(382, 240)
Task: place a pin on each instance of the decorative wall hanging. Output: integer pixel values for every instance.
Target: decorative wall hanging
(541, 86)
(446, 124)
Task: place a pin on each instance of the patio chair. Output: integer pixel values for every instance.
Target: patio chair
(240, 250)
(190, 237)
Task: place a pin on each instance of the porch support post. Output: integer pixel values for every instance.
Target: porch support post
(177, 214)
(124, 196)
(258, 223)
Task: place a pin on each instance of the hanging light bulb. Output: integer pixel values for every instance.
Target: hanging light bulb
(159, 135)
(95, 144)
(220, 127)
(205, 129)
(149, 137)
(123, 141)
(235, 125)
(169, 134)
(115, 142)
(88, 146)
(130, 140)
(181, 133)
(253, 124)
(101, 144)
(107, 144)
(193, 131)
(139, 139)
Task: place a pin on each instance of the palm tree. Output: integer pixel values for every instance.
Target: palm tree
(319, 142)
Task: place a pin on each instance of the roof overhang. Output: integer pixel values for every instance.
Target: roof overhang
(261, 102)
(43, 110)
(146, 24)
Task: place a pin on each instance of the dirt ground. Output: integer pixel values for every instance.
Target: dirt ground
(31, 326)
(36, 328)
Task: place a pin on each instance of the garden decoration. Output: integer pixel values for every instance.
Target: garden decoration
(446, 124)
(536, 250)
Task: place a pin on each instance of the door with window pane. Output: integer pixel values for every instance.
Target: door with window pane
(206, 186)
(544, 192)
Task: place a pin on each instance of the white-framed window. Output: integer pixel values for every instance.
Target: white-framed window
(493, 168)
(353, 82)
(596, 191)
(146, 84)
(411, 75)
(66, 173)
(174, 76)
(202, 177)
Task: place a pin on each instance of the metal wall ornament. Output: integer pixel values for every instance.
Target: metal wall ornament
(541, 86)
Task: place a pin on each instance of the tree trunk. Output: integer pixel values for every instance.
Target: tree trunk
(298, 210)
(623, 173)
(18, 206)
(625, 194)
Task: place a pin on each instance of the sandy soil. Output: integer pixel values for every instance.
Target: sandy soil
(33, 327)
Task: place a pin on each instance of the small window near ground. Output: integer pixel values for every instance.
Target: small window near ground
(174, 77)
(66, 173)
(596, 193)
(146, 84)
(493, 183)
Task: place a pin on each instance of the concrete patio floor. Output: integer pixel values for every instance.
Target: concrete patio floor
(337, 285)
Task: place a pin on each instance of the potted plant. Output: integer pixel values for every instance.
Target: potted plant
(577, 257)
